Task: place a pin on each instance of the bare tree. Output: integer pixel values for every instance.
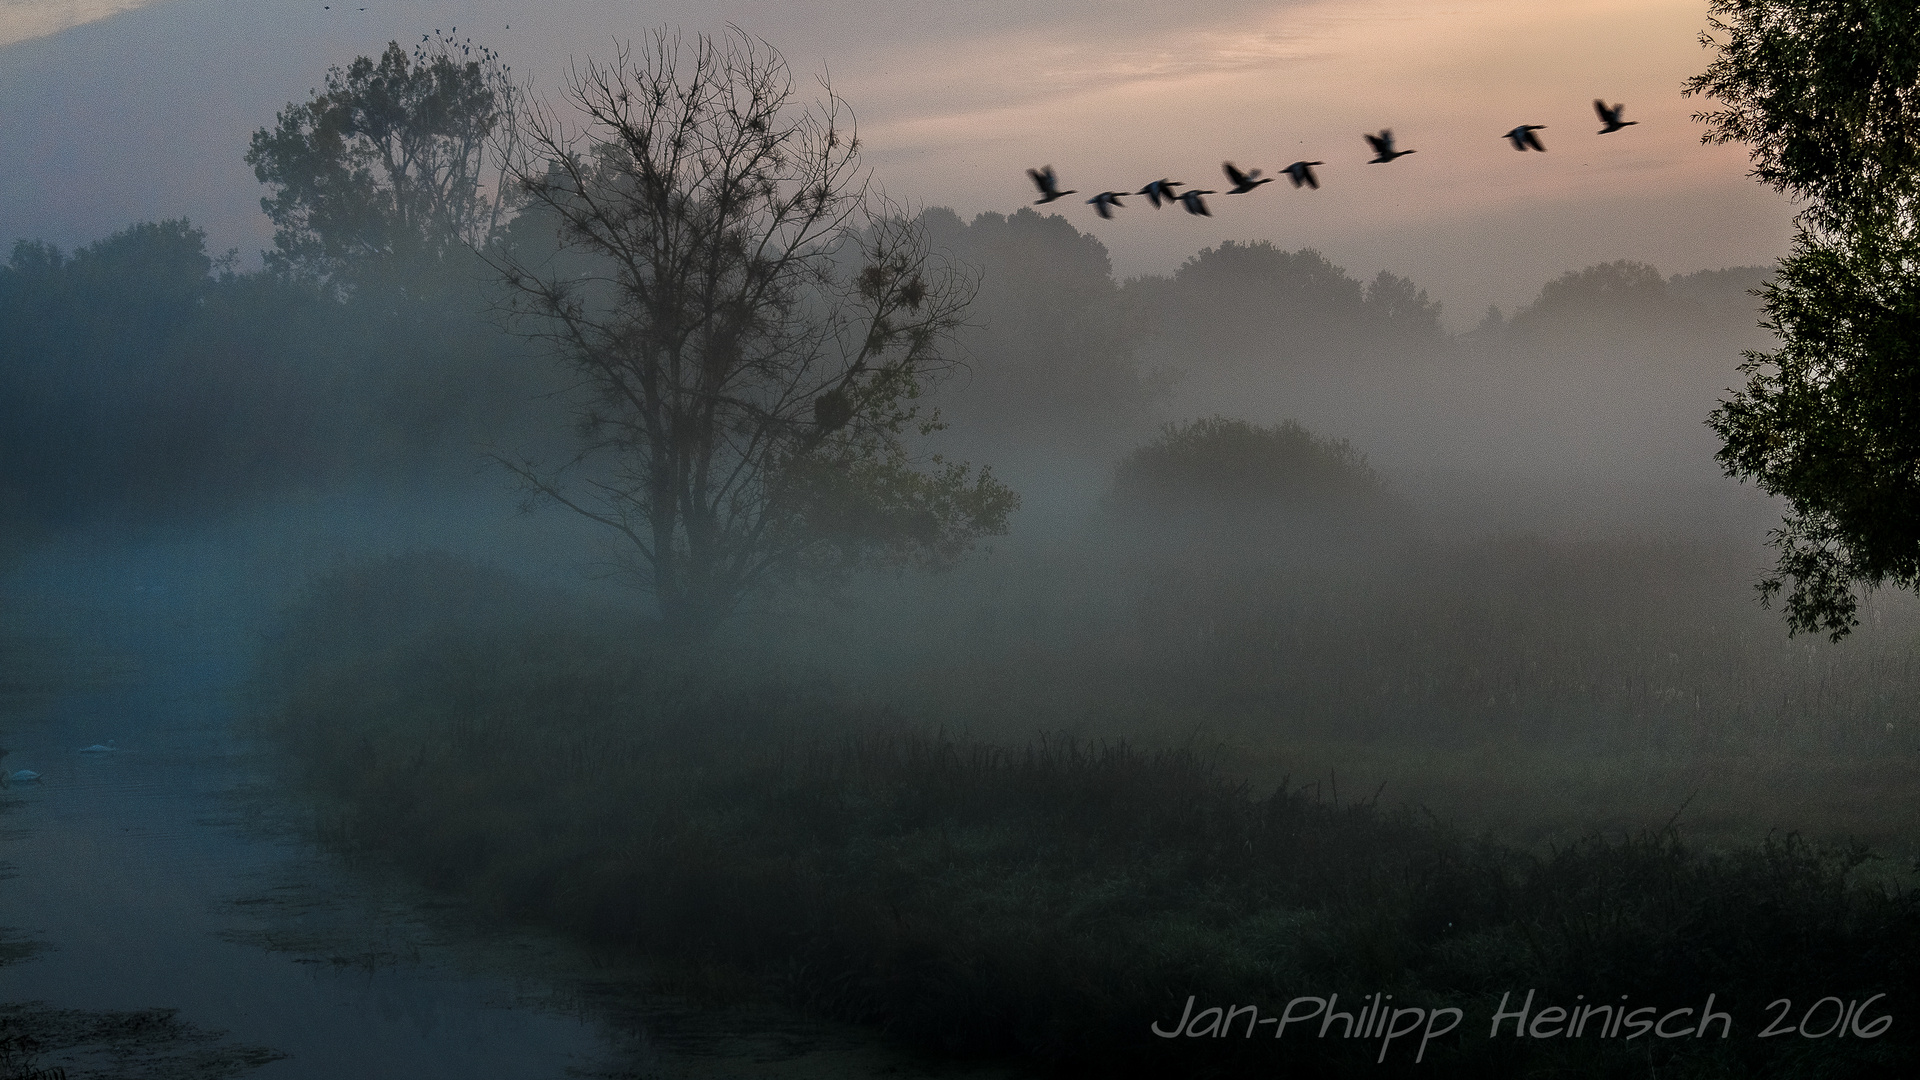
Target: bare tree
(752, 325)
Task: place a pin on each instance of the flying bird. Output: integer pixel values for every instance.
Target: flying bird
(1243, 182)
(1104, 202)
(1383, 150)
(1523, 137)
(1160, 191)
(1611, 116)
(1194, 203)
(1301, 172)
(1048, 184)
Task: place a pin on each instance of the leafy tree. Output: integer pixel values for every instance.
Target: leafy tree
(141, 374)
(1824, 92)
(753, 328)
(1827, 94)
(387, 165)
(1220, 468)
(1606, 286)
(1402, 309)
(1831, 421)
(383, 186)
(1048, 359)
(1254, 305)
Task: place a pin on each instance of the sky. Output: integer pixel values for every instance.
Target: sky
(114, 111)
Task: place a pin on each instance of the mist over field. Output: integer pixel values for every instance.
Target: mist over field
(1311, 598)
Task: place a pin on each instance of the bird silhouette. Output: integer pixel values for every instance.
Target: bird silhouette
(1194, 203)
(1383, 150)
(1104, 202)
(1523, 137)
(1301, 172)
(1160, 191)
(1048, 184)
(1611, 116)
(1243, 182)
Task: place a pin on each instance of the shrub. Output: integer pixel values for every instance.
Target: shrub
(1218, 468)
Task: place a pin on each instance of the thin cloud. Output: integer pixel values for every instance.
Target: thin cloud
(24, 20)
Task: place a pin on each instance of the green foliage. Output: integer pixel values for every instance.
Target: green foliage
(857, 507)
(387, 164)
(141, 373)
(1402, 309)
(1827, 95)
(1829, 421)
(1254, 307)
(1049, 360)
(1606, 285)
(1299, 279)
(1217, 466)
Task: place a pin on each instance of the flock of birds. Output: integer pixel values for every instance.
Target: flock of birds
(1161, 192)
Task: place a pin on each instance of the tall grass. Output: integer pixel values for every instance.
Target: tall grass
(1655, 642)
(1045, 900)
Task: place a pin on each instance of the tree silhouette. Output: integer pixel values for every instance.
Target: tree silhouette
(752, 326)
(1827, 95)
(388, 165)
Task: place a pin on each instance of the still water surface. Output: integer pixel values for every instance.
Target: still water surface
(167, 872)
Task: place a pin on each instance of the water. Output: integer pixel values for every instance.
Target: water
(169, 872)
(159, 874)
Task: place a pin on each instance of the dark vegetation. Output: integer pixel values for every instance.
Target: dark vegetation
(751, 326)
(843, 797)
(141, 378)
(1046, 900)
(1219, 471)
(1253, 302)
(1824, 420)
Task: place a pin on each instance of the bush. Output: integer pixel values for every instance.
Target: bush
(1219, 470)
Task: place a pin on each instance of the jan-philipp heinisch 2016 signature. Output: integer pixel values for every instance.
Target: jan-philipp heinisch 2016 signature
(1377, 1018)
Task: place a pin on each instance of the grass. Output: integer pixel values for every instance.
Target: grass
(1541, 690)
(1042, 900)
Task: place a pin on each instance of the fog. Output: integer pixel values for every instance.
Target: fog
(955, 104)
(1375, 617)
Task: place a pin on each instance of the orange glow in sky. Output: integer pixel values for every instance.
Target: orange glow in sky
(956, 101)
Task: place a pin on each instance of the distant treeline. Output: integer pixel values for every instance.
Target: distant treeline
(143, 375)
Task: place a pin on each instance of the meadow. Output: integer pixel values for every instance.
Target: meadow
(1059, 795)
